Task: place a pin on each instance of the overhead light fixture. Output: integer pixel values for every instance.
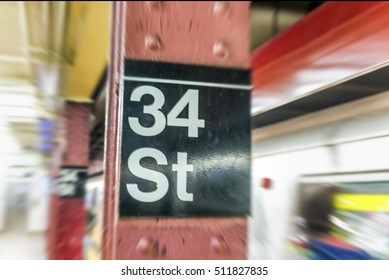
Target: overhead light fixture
(12, 99)
(15, 111)
(33, 112)
(19, 120)
(9, 147)
(18, 88)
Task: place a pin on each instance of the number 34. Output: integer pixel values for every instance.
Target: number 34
(190, 98)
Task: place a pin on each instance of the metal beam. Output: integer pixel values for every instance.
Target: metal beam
(334, 43)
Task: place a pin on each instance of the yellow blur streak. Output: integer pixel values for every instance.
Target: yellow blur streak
(88, 38)
(362, 202)
(94, 252)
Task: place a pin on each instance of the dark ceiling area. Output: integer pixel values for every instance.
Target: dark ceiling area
(268, 18)
(306, 6)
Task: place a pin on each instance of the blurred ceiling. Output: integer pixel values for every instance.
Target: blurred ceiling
(51, 51)
(26, 41)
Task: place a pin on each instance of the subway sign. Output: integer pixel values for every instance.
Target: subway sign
(70, 183)
(185, 140)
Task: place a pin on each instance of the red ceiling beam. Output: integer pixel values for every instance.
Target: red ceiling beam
(334, 42)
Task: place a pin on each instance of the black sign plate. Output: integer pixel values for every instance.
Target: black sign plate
(185, 140)
(71, 182)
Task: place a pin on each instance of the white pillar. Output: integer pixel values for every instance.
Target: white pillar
(38, 199)
(2, 197)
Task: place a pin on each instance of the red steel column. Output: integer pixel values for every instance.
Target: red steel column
(200, 33)
(67, 215)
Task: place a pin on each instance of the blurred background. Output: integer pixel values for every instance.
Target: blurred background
(51, 53)
(319, 114)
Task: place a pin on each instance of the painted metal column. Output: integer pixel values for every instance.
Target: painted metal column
(192, 33)
(67, 212)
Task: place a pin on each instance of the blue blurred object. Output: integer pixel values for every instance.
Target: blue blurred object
(46, 147)
(46, 132)
(319, 250)
(45, 125)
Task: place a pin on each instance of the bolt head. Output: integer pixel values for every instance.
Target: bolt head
(220, 8)
(153, 42)
(154, 5)
(220, 49)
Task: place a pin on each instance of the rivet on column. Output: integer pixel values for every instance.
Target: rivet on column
(153, 42)
(220, 8)
(154, 5)
(220, 49)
